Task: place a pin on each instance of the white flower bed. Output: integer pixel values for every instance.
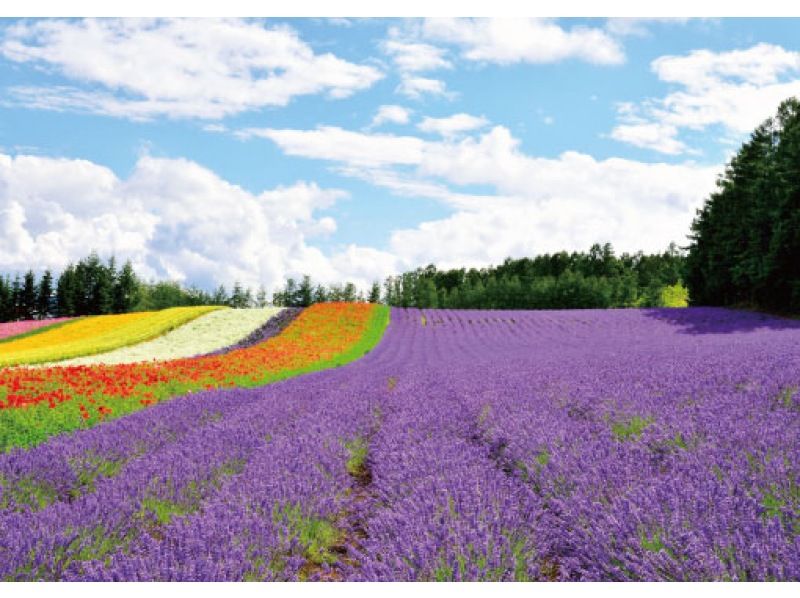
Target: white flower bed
(211, 332)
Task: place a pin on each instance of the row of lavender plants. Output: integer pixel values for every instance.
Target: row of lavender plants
(469, 445)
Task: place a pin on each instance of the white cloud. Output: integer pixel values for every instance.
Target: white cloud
(409, 56)
(391, 114)
(736, 90)
(416, 87)
(341, 145)
(452, 125)
(656, 136)
(508, 41)
(538, 204)
(172, 218)
(203, 68)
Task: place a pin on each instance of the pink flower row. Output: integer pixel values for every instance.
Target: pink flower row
(8, 329)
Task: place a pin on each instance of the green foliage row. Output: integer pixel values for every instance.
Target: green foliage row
(595, 279)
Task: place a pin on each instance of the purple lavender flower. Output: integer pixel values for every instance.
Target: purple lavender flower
(468, 445)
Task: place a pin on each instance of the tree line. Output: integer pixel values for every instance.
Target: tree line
(92, 287)
(593, 279)
(745, 240)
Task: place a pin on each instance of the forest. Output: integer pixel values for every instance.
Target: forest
(745, 240)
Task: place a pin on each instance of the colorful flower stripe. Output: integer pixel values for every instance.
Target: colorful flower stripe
(273, 327)
(10, 329)
(37, 403)
(96, 334)
(211, 332)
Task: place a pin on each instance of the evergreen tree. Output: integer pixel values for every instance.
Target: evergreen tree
(220, 296)
(44, 295)
(746, 238)
(320, 294)
(374, 293)
(28, 296)
(6, 300)
(66, 292)
(126, 291)
(305, 292)
(16, 299)
(349, 292)
(240, 298)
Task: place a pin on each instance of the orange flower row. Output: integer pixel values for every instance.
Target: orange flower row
(318, 335)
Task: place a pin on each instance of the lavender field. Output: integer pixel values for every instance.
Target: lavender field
(468, 445)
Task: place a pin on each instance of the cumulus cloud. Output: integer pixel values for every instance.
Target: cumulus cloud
(656, 136)
(173, 219)
(199, 68)
(735, 90)
(537, 204)
(391, 114)
(409, 56)
(452, 125)
(417, 87)
(537, 41)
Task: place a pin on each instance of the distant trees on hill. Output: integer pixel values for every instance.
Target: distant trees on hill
(92, 287)
(594, 279)
(745, 247)
(562, 280)
(597, 278)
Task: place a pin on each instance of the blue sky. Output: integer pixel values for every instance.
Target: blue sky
(212, 151)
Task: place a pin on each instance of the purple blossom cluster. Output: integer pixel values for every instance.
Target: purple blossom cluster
(270, 328)
(468, 445)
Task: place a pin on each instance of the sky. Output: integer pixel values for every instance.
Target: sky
(211, 151)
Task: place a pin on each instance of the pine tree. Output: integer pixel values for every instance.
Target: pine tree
(375, 293)
(305, 292)
(126, 291)
(44, 295)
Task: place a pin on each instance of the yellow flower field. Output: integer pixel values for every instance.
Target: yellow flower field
(97, 334)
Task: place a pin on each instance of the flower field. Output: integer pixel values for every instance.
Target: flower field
(14, 329)
(36, 403)
(97, 334)
(467, 445)
(211, 332)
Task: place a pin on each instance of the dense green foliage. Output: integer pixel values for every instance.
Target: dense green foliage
(558, 281)
(596, 279)
(745, 246)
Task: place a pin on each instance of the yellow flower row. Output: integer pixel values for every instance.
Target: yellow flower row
(96, 334)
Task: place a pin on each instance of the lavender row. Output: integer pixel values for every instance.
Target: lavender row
(592, 445)
(271, 327)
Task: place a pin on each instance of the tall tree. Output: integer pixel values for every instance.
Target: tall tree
(44, 295)
(126, 291)
(28, 296)
(374, 293)
(745, 240)
(305, 292)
